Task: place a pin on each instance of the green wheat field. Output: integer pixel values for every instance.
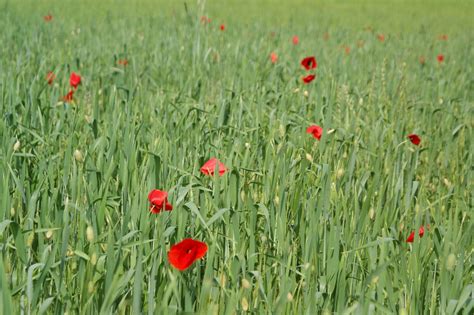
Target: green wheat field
(296, 225)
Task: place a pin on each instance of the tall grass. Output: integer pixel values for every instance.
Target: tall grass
(297, 225)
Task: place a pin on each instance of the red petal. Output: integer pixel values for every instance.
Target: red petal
(159, 201)
(316, 131)
(411, 237)
(186, 252)
(69, 96)
(74, 80)
(209, 167)
(421, 231)
(309, 63)
(415, 139)
(308, 78)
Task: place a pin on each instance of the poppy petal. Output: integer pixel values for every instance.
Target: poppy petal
(74, 80)
(309, 63)
(186, 252)
(421, 231)
(316, 131)
(415, 139)
(159, 201)
(209, 167)
(307, 79)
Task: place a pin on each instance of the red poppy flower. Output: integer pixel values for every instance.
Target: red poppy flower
(381, 37)
(309, 78)
(315, 130)
(74, 80)
(273, 57)
(209, 167)
(186, 252)
(159, 201)
(69, 96)
(296, 40)
(411, 237)
(48, 18)
(222, 27)
(122, 62)
(422, 60)
(309, 63)
(50, 77)
(415, 139)
(440, 58)
(421, 231)
(347, 50)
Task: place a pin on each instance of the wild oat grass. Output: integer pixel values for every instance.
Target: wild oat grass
(296, 225)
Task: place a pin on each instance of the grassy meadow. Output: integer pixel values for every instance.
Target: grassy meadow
(296, 225)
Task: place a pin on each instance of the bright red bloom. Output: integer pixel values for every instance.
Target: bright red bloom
(74, 80)
(50, 77)
(122, 62)
(209, 167)
(48, 18)
(222, 27)
(309, 63)
(273, 57)
(440, 58)
(315, 130)
(411, 237)
(421, 231)
(159, 201)
(415, 139)
(296, 40)
(381, 37)
(186, 252)
(309, 78)
(69, 96)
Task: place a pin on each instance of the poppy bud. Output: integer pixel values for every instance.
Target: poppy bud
(93, 259)
(245, 284)
(78, 156)
(90, 234)
(340, 172)
(245, 304)
(371, 213)
(451, 262)
(16, 146)
(30, 239)
(91, 287)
